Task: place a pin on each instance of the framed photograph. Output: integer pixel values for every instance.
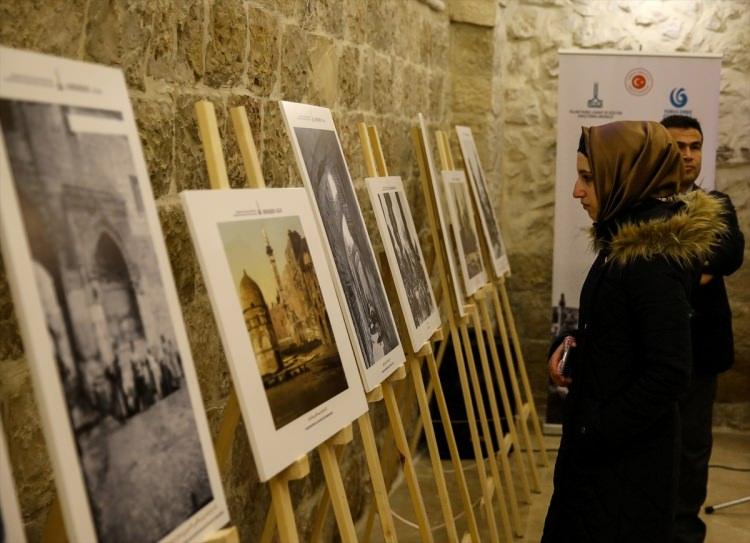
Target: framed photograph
(358, 283)
(443, 217)
(98, 309)
(405, 259)
(280, 322)
(490, 227)
(464, 230)
(11, 522)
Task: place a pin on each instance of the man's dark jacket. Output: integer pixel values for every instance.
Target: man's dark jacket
(713, 344)
(616, 471)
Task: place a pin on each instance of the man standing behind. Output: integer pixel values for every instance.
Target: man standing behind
(713, 343)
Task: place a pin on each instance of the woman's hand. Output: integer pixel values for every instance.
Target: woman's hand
(554, 367)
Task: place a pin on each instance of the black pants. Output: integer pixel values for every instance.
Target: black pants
(696, 411)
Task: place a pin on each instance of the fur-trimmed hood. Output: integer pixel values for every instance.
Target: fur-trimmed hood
(687, 237)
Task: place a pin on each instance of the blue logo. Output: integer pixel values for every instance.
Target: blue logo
(678, 97)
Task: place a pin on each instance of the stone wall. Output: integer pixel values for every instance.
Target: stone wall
(536, 29)
(378, 61)
(489, 64)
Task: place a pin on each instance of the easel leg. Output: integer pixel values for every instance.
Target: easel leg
(506, 405)
(520, 406)
(504, 516)
(412, 483)
(429, 432)
(524, 376)
(501, 452)
(430, 390)
(282, 509)
(475, 439)
(376, 476)
(337, 492)
(453, 447)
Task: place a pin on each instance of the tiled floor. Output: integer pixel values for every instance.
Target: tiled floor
(724, 526)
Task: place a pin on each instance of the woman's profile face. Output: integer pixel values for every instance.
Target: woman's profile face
(584, 187)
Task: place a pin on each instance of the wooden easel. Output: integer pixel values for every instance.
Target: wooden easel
(526, 408)
(375, 165)
(282, 512)
(505, 441)
(396, 422)
(457, 318)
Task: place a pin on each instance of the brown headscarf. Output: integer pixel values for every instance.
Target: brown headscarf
(631, 161)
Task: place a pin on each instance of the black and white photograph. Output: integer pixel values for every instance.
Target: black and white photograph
(464, 231)
(405, 259)
(443, 217)
(284, 313)
(113, 347)
(11, 522)
(280, 322)
(326, 175)
(482, 199)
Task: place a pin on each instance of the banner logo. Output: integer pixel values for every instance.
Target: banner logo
(595, 101)
(638, 82)
(678, 97)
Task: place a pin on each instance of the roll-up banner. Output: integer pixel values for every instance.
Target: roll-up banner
(598, 87)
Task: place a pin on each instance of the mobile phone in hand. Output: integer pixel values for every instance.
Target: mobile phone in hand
(564, 366)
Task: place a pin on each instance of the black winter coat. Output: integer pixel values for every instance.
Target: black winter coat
(616, 471)
(713, 343)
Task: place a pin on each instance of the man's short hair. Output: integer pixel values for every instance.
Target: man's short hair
(681, 121)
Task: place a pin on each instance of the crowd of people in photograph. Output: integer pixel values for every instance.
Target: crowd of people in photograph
(137, 377)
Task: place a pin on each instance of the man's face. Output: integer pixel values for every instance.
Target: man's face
(690, 142)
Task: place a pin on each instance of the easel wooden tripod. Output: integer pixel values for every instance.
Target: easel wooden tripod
(457, 317)
(375, 165)
(282, 514)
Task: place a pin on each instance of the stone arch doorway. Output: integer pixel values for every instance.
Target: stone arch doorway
(116, 292)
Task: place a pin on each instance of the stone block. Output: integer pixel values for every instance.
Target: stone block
(289, 8)
(180, 250)
(279, 164)
(323, 59)
(472, 50)
(25, 25)
(522, 107)
(355, 21)
(155, 120)
(325, 16)
(249, 500)
(208, 353)
(471, 94)
(531, 308)
(475, 12)
(381, 25)
(227, 38)
(295, 64)
(118, 34)
(176, 52)
(32, 470)
(350, 77)
(384, 99)
(441, 40)
(524, 24)
(368, 80)
(590, 34)
(263, 58)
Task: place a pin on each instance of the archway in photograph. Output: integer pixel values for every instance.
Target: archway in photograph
(118, 299)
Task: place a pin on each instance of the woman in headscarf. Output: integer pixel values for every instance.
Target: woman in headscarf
(615, 476)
